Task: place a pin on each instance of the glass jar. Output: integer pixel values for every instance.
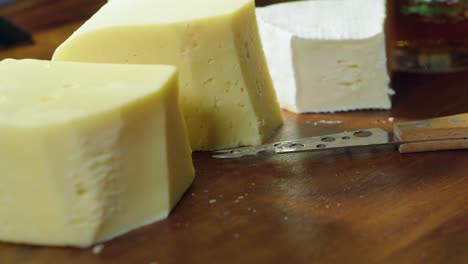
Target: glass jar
(429, 35)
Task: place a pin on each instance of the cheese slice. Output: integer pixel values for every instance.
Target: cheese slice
(227, 95)
(88, 151)
(327, 55)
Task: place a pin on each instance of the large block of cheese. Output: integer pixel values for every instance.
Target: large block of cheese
(88, 151)
(226, 91)
(327, 55)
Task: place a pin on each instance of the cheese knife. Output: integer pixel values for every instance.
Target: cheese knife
(443, 133)
(10, 34)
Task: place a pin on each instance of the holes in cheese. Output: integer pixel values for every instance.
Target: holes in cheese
(213, 43)
(88, 151)
(327, 55)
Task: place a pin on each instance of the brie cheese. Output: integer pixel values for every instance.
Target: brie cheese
(327, 55)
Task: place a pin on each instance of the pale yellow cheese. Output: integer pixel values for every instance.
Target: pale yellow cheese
(227, 95)
(88, 151)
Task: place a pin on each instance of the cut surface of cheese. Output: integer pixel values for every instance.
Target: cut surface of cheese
(226, 96)
(327, 55)
(88, 151)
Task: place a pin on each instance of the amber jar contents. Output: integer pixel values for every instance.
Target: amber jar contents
(429, 35)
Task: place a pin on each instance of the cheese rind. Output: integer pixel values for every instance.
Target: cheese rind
(327, 56)
(89, 151)
(227, 95)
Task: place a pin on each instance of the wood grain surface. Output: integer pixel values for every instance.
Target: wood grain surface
(364, 206)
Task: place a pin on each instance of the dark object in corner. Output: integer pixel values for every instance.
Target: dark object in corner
(11, 34)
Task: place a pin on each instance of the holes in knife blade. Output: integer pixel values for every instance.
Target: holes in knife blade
(288, 145)
(297, 145)
(362, 134)
(328, 139)
(321, 146)
(346, 138)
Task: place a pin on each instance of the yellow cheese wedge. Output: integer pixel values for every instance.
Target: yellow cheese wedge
(88, 151)
(227, 95)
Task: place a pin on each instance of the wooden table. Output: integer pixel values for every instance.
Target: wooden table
(364, 206)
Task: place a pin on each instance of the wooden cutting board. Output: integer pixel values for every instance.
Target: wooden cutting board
(363, 206)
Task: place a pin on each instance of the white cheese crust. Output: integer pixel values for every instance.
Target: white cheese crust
(327, 55)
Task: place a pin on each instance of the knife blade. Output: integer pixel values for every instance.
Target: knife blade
(10, 34)
(441, 133)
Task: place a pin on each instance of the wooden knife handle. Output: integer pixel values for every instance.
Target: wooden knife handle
(445, 133)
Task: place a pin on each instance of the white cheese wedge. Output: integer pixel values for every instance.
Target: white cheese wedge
(88, 151)
(327, 55)
(227, 95)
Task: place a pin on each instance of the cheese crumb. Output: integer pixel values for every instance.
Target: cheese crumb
(391, 119)
(328, 122)
(212, 201)
(98, 249)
